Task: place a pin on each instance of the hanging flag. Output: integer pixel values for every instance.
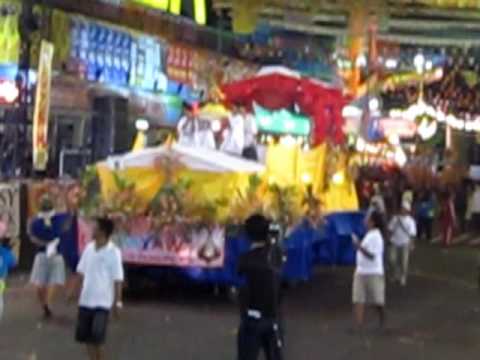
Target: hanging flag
(176, 7)
(200, 11)
(42, 107)
(245, 15)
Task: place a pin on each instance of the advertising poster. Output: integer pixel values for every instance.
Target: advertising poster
(42, 107)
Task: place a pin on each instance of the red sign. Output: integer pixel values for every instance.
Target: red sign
(180, 64)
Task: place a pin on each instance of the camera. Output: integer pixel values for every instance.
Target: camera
(275, 233)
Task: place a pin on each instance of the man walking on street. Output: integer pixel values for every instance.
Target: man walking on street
(260, 297)
(48, 272)
(403, 229)
(101, 272)
(368, 287)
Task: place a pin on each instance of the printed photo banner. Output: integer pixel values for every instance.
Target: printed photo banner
(42, 107)
(179, 244)
(10, 214)
(10, 210)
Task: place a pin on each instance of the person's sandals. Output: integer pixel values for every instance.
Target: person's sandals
(47, 313)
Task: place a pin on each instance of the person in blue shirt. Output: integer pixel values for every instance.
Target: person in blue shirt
(48, 272)
(7, 262)
(425, 214)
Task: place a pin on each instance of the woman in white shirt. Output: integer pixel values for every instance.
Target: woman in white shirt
(369, 278)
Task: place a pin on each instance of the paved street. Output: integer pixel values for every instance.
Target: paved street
(436, 317)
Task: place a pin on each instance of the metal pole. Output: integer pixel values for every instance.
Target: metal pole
(22, 150)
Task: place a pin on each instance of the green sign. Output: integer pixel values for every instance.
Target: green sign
(282, 122)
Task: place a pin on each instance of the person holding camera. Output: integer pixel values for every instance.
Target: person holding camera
(261, 268)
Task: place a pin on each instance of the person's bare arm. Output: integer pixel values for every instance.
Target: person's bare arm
(365, 252)
(118, 304)
(359, 247)
(118, 292)
(36, 241)
(74, 289)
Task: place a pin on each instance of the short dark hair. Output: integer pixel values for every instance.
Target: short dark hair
(5, 242)
(106, 226)
(257, 227)
(376, 217)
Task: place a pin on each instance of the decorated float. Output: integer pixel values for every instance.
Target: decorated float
(180, 208)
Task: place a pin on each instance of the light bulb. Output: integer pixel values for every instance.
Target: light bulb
(142, 125)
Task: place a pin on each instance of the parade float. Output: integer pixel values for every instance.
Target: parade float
(181, 208)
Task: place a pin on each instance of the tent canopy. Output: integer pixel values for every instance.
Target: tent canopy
(193, 158)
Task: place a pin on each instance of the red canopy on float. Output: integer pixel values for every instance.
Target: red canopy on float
(277, 91)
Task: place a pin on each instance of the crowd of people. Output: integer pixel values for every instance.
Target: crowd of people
(383, 254)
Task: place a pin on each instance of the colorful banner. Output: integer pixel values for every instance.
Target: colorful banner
(42, 107)
(143, 242)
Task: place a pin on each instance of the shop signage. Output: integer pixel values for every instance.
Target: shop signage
(100, 53)
(282, 122)
(180, 64)
(42, 107)
(146, 65)
(398, 127)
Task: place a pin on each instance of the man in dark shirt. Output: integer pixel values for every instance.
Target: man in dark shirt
(260, 296)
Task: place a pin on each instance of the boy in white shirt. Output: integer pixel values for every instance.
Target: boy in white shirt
(101, 272)
(403, 229)
(369, 278)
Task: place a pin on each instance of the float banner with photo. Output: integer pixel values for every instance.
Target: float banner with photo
(179, 244)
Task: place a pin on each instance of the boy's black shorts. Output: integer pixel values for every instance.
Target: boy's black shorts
(92, 326)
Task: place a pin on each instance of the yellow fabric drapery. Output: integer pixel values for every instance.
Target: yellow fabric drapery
(207, 186)
(285, 166)
(290, 166)
(140, 141)
(147, 182)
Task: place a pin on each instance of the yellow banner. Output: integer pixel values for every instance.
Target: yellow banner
(175, 7)
(156, 4)
(42, 107)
